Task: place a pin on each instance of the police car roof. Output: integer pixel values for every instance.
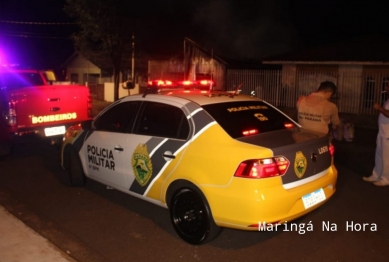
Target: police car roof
(204, 97)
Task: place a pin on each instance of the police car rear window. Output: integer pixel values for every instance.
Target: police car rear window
(257, 117)
(15, 80)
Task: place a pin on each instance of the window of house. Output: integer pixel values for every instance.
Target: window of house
(74, 78)
(157, 119)
(91, 78)
(119, 118)
(384, 95)
(368, 92)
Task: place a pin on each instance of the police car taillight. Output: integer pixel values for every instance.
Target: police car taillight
(11, 117)
(288, 125)
(332, 150)
(263, 168)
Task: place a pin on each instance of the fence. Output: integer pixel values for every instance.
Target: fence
(357, 90)
(96, 91)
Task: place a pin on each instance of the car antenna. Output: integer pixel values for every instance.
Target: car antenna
(236, 90)
(211, 82)
(210, 90)
(147, 91)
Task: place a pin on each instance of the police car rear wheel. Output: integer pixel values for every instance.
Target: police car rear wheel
(191, 217)
(76, 173)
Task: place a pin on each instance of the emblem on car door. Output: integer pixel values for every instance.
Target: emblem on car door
(141, 164)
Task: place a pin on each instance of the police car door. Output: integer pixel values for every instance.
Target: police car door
(161, 131)
(106, 146)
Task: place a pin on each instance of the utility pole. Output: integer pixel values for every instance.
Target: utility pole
(133, 60)
(131, 84)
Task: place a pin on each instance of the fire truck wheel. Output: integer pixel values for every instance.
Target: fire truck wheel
(76, 173)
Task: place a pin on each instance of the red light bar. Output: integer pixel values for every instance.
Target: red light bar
(159, 82)
(186, 83)
(206, 82)
(164, 82)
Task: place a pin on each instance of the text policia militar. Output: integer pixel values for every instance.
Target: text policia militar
(302, 228)
(100, 157)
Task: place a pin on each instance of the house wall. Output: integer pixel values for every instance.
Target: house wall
(359, 86)
(357, 90)
(309, 77)
(350, 84)
(122, 92)
(80, 70)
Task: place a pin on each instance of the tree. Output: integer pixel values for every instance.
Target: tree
(105, 32)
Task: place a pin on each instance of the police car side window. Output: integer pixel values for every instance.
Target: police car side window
(162, 120)
(119, 118)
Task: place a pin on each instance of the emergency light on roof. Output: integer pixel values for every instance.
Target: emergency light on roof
(4, 62)
(50, 76)
(4, 65)
(1, 58)
(159, 82)
(166, 82)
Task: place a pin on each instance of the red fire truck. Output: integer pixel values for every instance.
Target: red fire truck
(31, 104)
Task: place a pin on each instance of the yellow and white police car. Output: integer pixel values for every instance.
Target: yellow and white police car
(213, 159)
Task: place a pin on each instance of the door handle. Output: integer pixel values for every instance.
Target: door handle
(168, 156)
(53, 99)
(118, 148)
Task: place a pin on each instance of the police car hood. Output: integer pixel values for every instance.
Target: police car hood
(308, 152)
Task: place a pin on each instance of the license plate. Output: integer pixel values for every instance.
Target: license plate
(54, 131)
(314, 198)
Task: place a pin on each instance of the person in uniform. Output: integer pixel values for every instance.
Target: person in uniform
(316, 112)
(380, 174)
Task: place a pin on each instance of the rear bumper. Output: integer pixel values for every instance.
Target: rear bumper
(247, 203)
(41, 130)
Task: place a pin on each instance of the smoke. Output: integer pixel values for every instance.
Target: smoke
(246, 31)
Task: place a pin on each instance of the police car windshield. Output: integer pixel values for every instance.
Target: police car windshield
(237, 117)
(9, 80)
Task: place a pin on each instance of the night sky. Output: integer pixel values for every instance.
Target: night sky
(37, 32)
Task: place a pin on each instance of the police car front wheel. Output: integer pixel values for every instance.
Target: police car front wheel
(76, 172)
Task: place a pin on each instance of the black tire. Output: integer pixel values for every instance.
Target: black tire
(5, 148)
(191, 216)
(76, 173)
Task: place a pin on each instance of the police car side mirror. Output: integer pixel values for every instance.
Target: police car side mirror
(128, 85)
(86, 125)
